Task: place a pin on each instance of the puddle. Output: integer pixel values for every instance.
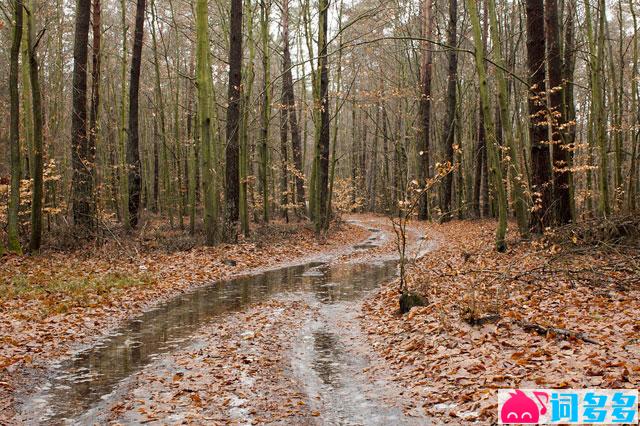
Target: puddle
(78, 385)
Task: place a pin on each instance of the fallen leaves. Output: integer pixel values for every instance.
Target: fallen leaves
(452, 368)
(56, 300)
(212, 380)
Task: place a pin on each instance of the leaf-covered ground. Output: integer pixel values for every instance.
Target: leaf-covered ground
(547, 313)
(56, 301)
(232, 373)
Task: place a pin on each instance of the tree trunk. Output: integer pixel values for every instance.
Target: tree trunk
(266, 109)
(164, 202)
(557, 119)
(232, 177)
(635, 111)
(517, 179)
(133, 150)
(284, 140)
(424, 114)
(122, 134)
(598, 118)
(248, 78)
(540, 164)
(38, 146)
(82, 156)
(493, 150)
(14, 136)
(450, 120)
(568, 102)
(323, 139)
(290, 105)
(206, 124)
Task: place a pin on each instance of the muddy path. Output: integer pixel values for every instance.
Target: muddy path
(310, 363)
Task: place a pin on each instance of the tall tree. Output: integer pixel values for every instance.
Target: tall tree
(568, 101)
(162, 129)
(82, 154)
(517, 180)
(450, 120)
(538, 131)
(122, 134)
(205, 120)
(635, 111)
(557, 117)
(290, 107)
(38, 145)
(284, 141)
(424, 113)
(14, 137)
(232, 188)
(133, 149)
(324, 136)
(598, 115)
(265, 6)
(248, 78)
(493, 150)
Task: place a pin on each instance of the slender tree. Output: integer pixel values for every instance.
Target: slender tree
(205, 120)
(38, 145)
(83, 154)
(265, 6)
(568, 101)
(290, 107)
(161, 127)
(540, 164)
(635, 111)
(284, 141)
(324, 136)
(133, 149)
(248, 79)
(493, 154)
(94, 104)
(517, 179)
(14, 137)
(122, 134)
(557, 117)
(232, 188)
(450, 120)
(424, 113)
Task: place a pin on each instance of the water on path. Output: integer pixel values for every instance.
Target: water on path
(325, 362)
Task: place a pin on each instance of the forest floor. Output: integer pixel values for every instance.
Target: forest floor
(296, 359)
(555, 312)
(60, 301)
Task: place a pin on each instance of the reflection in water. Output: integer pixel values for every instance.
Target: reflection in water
(80, 383)
(327, 357)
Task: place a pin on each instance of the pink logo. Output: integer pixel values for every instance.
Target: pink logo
(519, 408)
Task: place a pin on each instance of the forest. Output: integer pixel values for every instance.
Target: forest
(443, 194)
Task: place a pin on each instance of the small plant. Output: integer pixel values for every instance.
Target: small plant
(399, 221)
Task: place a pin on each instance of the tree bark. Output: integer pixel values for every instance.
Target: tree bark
(82, 156)
(557, 119)
(290, 105)
(133, 150)
(424, 113)
(266, 109)
(568, 101)
(38, 145)
(323, 139)
(493, 150)
(232, 177)
(517, 179)
(14, 132)
(450, 120)
(540, 164)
